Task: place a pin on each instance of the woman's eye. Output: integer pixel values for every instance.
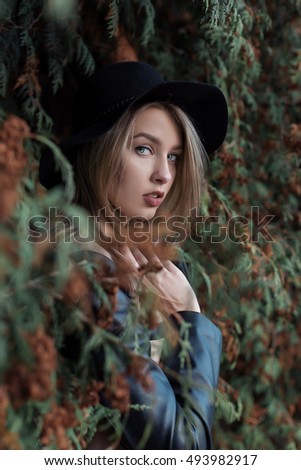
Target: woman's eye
(172, 157)
(142, 150)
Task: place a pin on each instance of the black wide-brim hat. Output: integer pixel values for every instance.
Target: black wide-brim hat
(104, 96)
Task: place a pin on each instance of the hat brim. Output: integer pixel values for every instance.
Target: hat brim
(205, 105)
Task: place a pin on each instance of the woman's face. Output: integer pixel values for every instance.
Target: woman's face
(150, 164)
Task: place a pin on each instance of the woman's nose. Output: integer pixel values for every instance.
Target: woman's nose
(162, 172)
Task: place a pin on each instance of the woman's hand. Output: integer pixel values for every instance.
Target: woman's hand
(171, 285)
(162, 277)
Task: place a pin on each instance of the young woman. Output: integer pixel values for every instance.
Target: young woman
(139, 152)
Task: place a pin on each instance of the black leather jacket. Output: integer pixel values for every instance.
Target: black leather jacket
(175, 419)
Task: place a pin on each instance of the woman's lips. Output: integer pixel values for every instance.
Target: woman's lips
(153, 199)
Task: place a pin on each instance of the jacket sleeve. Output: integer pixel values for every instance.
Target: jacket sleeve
(178, 413)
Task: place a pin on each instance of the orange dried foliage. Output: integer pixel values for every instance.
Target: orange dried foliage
(230, 340)
(288, 353)
(256, 416)
(105, 314)
(118, 391)
(225, 387)
(110, 284)
(8, 440)
(294, 183)
(55, 424)
(30, 76)
(4, 402)
(268, 250)
(13, 161)
(90, 395)
(124, 50)
(76, 291)
(33, 382)
(293, 139)
(138, 369)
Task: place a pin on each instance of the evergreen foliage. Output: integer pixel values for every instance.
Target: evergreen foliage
(248, 278)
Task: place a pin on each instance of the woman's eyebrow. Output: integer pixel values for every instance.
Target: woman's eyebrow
(154, 139)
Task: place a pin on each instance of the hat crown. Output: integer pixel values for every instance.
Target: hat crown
(111, 89)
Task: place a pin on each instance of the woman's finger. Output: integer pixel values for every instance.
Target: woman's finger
(169, 265)
(146, 264)
(139, 257)
(124, 256)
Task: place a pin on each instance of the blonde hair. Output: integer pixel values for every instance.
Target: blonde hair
(99, 165)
